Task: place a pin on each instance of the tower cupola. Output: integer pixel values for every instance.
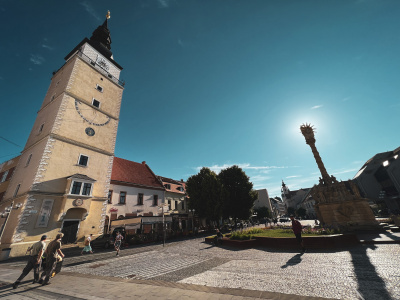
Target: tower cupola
(101, 38)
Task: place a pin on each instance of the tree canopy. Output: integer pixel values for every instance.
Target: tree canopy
(238, 193)
(228, 194)
(262, 212)
(204, 190)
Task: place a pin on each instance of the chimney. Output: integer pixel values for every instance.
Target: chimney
(143, 162)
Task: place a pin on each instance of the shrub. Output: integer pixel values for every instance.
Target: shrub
(245, 234)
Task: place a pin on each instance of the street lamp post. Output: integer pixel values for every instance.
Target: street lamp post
(163, 222)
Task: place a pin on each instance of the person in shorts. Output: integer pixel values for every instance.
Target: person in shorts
(87, 247)
(118, 242)
(52, 251)
(297, 228)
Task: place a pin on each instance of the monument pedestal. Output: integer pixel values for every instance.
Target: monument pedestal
(342, 208)
(349, 216)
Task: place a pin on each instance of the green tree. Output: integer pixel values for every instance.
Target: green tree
(301, 212)
(291, 211)
(204, 191)
(237, 193)
(262, 212)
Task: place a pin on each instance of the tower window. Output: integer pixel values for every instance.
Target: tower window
(86, 189)
(155, 200)
(3, 178)
(83, 160)
(41, 128)
(96, 103)
(17, 189)
(28, 160)
(81, 188)
(99, 88)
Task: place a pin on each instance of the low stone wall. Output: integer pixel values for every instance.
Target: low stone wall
(310, 242)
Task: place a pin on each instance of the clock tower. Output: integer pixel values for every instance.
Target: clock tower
(62, 180)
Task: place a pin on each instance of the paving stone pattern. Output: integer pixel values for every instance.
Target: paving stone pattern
(363, 272)
(139, 266)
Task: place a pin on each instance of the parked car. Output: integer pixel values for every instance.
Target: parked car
(283, 220)
(103, 241)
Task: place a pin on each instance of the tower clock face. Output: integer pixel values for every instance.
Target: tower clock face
(91, 115)
(89, 131)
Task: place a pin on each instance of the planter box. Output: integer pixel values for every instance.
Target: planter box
(234, 243)
(311, 242)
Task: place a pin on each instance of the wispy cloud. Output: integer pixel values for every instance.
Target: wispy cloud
(47, 47)
(346, 99)
(218, 168)
(316, 106)
(37, 59)
(345, 171)
(90, 10)
(293, 176)
(163, 3)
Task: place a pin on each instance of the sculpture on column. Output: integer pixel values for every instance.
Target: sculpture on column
(336, 204)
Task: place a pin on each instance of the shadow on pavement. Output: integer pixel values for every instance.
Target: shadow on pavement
(295, 260)
(7, 290)
(370, 285)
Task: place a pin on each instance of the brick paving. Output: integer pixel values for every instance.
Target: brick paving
(192, 269)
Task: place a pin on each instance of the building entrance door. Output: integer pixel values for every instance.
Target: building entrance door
(70, 229)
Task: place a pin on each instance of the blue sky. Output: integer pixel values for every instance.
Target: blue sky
(216, 83)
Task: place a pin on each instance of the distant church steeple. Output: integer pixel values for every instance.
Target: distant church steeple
(285, 192)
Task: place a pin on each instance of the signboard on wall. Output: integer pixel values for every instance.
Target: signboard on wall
(45, 212)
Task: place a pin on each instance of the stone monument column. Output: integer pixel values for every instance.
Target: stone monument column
(338, 205)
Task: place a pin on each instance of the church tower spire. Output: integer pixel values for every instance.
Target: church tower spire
(101, 38)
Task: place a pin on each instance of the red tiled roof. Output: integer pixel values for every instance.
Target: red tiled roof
(132, 172)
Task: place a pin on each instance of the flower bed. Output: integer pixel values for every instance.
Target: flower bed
(284, 238)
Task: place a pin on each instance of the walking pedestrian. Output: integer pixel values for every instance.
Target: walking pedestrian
(34, 261)
(297, 228)
(52, 251)
(118, 241)
(87, 247)
(218, 237)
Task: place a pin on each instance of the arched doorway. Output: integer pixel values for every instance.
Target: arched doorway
(70, 225)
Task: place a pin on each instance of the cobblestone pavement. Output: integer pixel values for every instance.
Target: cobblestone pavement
(362, 272)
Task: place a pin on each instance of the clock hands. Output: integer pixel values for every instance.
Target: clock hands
(91, 122)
